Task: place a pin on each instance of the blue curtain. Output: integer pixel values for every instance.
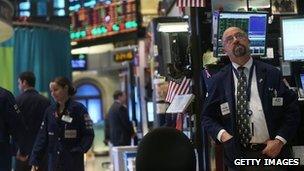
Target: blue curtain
(44, 51)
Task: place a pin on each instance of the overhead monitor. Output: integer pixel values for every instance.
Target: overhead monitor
(253, 23)
(150, 111)
(79, 62)
(25, 9)
(292, 40)
(41, 8)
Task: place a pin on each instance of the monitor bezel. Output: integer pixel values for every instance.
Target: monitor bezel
(282, 35)
(241, 12)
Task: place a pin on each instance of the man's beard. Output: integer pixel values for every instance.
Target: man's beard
(239, 50)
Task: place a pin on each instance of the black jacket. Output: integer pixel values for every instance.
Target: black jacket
(11, 124)
(32, 106)
(281, 120)
(65, 140)
(120, 125)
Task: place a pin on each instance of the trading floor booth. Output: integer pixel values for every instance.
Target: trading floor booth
(287, 54)
(293, 52)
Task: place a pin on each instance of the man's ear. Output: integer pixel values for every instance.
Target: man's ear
(224, 48)
(24, 82)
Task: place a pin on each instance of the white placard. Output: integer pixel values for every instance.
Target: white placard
(180, 103)
(270, 53)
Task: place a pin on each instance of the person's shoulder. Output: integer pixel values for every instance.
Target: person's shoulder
(221, 74)
(50, 109)
(4, 93)
(270, 69)
(77, 106)
(43, 98)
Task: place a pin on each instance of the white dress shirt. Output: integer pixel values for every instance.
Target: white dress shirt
(257, 119)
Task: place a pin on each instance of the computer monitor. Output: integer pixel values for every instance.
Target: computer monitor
(79, 62)
(302, 80)
(253, 23)
(292, 42)
(150, 111)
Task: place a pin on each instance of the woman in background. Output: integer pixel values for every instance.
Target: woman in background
(66, 132)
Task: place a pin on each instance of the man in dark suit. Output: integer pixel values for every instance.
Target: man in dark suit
(121, 129)
(11, 126)
(249, 109)
(32, 106)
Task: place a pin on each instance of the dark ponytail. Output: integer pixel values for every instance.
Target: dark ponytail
(63, 81)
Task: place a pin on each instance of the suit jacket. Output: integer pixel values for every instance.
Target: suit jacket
(64, 141)
(120, 125)
(11, 124)
(280, 120)
(32, 106)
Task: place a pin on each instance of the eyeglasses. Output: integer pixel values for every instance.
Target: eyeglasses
(238, 36)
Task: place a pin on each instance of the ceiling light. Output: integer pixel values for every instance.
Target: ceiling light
(173, 27)
(94, 49)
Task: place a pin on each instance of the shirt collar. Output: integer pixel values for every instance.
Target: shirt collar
(247, 65)
(29, 89)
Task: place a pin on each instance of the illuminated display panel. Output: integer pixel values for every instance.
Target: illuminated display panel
(59, 7)
(79, 62)
(293, 45)
(106, 18)
(75, 5)
(253, 23)
(25, 9)
(41, 8)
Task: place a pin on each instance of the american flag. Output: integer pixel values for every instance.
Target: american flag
(190, 3)
(177, 89)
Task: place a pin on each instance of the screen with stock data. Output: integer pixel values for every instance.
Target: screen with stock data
(254, 24)
(292, 36)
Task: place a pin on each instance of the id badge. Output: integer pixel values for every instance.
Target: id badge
(225, 108)
(70, 133)
(67, 118)
(277, 101)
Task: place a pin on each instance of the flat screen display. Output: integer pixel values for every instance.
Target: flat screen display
(254, 24)
(292, 37)
(24, 5)
(41, 8)
(302, 80)
(150, 111)
(79, 62)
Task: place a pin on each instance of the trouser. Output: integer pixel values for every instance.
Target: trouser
(22, 165)
(5, 156)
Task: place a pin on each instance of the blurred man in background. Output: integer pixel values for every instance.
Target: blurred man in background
(32, 106)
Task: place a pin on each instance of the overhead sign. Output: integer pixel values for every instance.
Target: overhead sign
(6, 14)
(123, 56)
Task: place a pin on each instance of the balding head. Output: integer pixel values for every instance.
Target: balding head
(236, 45)
(231, 29)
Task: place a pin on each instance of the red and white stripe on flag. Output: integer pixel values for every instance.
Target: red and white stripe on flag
(190, 3)
(177, 89)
